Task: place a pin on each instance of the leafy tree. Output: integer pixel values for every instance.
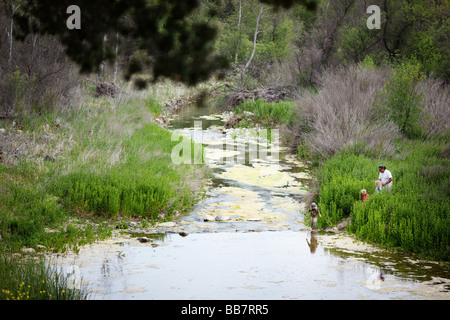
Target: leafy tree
(356, 42)
(256, 35)
(178, 47)
(402, 101)
(409, 29)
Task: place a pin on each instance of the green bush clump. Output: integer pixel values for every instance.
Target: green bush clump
(118, 191)
(413, 215)
(341, 179)
(402, 99)
(27, 211)
(154, 106)
(268, 113)
(146, 185)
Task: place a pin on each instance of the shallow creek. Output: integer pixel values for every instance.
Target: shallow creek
(246, 239)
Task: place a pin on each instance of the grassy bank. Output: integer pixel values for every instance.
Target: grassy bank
(108, 161)
(412, 216)
(267, 115)
(83, 172)
(29, 279)
(144, 185)
(361, 118)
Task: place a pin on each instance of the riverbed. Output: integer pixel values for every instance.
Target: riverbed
(247, 238)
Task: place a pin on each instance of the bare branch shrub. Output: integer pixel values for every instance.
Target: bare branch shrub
(341, 115)
(41, 77)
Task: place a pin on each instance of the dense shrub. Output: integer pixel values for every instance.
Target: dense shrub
(341, 115)
(402, 100)
(39, 78)
(435, 119)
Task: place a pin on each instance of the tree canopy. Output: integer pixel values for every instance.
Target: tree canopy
(173, 45)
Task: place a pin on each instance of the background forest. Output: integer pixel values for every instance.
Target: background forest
(258, 43)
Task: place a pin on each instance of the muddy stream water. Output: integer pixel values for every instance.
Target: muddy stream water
(247, 239)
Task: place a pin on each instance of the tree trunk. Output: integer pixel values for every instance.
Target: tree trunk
(101, 67)
(239, 32)
(254, 41)
(15, 5)
(116, 64)
(13, 9)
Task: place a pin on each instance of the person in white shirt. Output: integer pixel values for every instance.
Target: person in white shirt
(385, 176)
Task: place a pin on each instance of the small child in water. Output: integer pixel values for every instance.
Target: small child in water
(314, 211)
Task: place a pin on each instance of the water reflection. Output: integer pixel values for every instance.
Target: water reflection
(105, 270)
(240, 265)
(155, 236)
(386, 262)
(312, 243)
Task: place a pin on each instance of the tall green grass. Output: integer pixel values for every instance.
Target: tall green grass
(27, 279)
(267, 114)
(154, 106)
(414, 215)
(145, 185)
(30, 215)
